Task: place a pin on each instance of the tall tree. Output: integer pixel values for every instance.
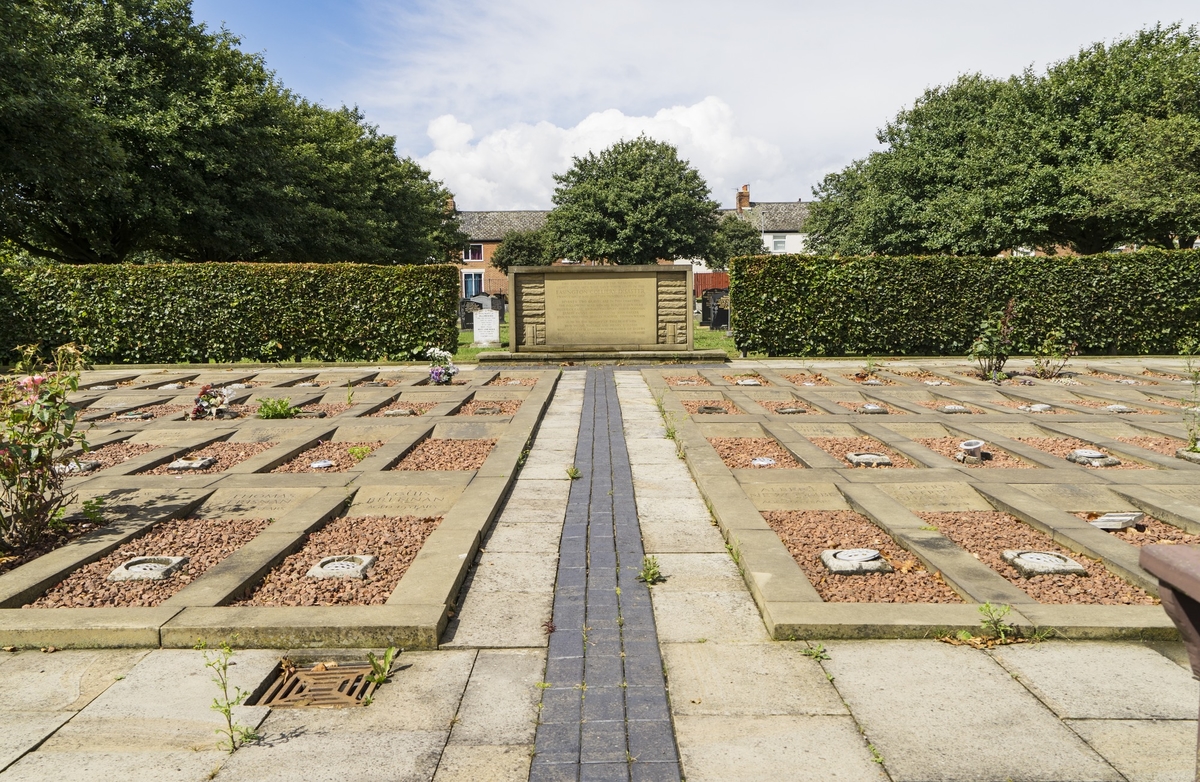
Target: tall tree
(523, 248)
(129, 127)
(734, 237)
(984, 165)
(634, 203)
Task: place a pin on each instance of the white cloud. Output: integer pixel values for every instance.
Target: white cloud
(511, 167)
(776, 92)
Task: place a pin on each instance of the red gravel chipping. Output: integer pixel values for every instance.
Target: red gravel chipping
(1148, 531)
(807, 533)
(948, 447)
(204, 541)
(1167, 446)
(693, 406)
(986, 534)
(338, 453)
(1063, 446)
(737, 452)
(817, 379)
(686, 380)
(840, 446)
(116, 453)
(440, 454)
(420, 407)
(774, 405)
(394, 540)
(226, 454)
(507, 406)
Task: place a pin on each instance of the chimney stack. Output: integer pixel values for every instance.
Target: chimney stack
(743, 198)
(451, 207)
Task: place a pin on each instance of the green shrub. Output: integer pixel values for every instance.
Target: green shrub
(1131, 303)
(184, 312)
(37, 431)
(277, 408)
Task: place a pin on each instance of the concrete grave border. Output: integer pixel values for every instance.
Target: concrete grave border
(412, 618)
(791, 607)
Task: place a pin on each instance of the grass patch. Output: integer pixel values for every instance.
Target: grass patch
(465, 354)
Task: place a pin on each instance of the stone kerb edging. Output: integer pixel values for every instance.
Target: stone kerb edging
(791, 608)
(413, 617)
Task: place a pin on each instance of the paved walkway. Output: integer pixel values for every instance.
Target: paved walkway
(604, 715)
(743, 707)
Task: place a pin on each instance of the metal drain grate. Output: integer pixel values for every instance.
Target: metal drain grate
(325, 685)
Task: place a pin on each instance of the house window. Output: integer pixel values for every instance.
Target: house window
(472, 284)
(778, 243)
(474, 252)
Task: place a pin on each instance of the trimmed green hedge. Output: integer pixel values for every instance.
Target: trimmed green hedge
(180, 313)
(1142, 302)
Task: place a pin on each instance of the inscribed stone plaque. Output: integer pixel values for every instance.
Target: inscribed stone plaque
(487, 328)
(252, 503)
(1113, 429)
(807, 496)
(913, 431)
(1015, 430)
(1184, 492)
(404, 500)
(826, 430)
(601, 309)
(935, 497)
(1075, 497)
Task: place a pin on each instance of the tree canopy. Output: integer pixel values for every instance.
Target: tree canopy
(634, 203)
(126, 127)
(523, 248)
(1098, 150)
(734, 237)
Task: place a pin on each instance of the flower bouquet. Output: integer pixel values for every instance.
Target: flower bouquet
(441, 368)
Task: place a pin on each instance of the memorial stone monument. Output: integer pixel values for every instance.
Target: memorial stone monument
(487, 329)
(601, 312)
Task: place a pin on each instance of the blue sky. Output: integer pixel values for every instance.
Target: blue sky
(493, 96)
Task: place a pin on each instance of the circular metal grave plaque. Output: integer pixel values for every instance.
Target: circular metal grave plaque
(1044, 558)
(321, 464)
(857, 555)
(762, 461)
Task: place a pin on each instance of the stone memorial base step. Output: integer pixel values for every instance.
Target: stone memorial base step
(629, 356)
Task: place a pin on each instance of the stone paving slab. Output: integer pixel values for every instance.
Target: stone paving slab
(1118, 681)
(956, 702)
(1144, 750)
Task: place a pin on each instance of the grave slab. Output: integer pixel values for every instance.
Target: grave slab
(936, 497)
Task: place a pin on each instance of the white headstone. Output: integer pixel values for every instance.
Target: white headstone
(487, 328)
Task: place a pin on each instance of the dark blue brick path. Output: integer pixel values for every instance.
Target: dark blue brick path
(604, 715)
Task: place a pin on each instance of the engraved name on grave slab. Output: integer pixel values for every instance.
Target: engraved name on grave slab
(601, 309)
(405, 500)
(252, 503)
(1075, 497)
(935, 497)
(808, 496)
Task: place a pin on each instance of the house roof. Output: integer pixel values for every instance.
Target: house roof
(772, 216)
(492, 226)
(775, 216)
